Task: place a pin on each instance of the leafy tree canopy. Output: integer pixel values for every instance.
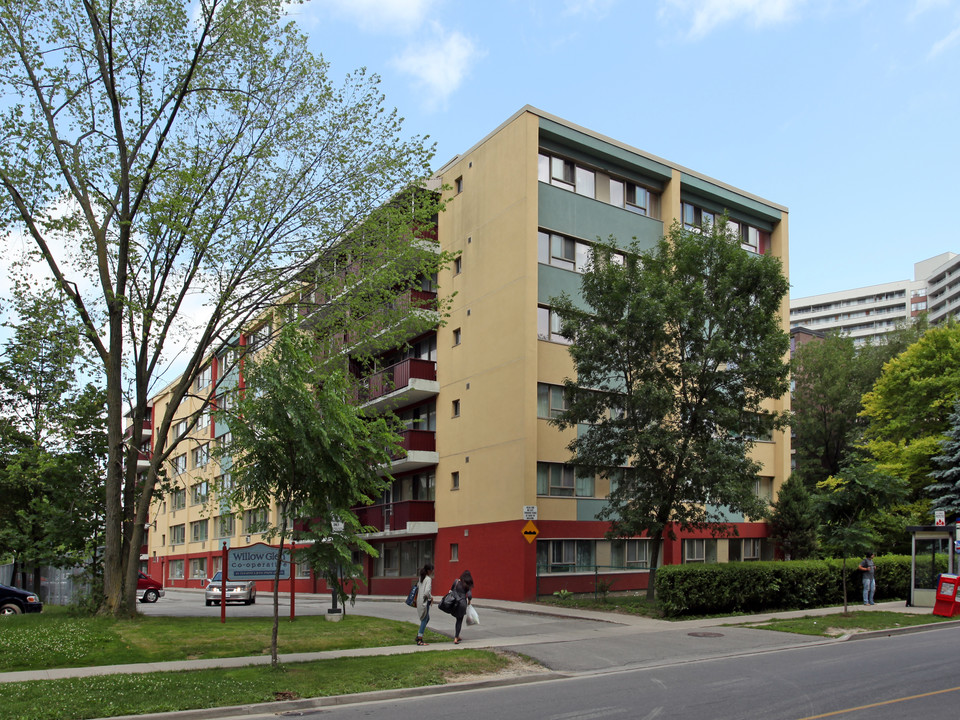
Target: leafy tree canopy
(169, 155)
(910, 405)
(677, 352)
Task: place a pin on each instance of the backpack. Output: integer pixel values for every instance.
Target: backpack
(412, 595)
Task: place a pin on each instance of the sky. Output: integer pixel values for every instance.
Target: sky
(844, 111)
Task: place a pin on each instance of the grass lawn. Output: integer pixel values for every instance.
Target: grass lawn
(57, 639)
(111, 695)
(631, 604)
(841, 624)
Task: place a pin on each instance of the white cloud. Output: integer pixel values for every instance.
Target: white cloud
(944, 43)
(706, 15)
(438, 64)
(395, 17)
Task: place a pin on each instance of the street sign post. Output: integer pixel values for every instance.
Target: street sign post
(530, 531)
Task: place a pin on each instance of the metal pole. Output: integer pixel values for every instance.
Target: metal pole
(223, 585)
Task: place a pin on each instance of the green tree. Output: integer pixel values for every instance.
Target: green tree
(847, 503)
(676, 352)
(299, 440)
(162, 156)
(793, 522)
(830, 378)
(909, 408)
(51, 472)
(945, 492)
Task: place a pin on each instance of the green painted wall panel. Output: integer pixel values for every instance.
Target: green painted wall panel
(552, 281)
(566, 212)
(720, 199)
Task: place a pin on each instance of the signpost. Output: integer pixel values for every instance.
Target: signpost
(939, 518)
(256, 562)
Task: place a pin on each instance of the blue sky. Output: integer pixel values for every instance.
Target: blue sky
(845, 111)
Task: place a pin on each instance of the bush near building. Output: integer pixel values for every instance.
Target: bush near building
(716, 589)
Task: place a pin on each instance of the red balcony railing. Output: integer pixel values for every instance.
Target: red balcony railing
(417, 441)
(396, 377)
(396, 516)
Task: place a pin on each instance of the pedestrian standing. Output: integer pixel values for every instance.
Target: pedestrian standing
(869, 569)
(424, 599)
(463, 589)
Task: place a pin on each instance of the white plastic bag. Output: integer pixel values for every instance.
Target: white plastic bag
(472, 617)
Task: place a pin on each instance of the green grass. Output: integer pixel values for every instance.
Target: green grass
(840, 623)
(111, 695)
(631, 604)
(57, 639)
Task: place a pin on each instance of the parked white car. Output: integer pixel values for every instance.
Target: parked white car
(237, 591)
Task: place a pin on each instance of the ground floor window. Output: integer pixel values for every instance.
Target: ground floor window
(176, 569)
(198, 568)
(632, 554)
(402, 559)
(749, 549)
(700, 551)
(561, 556)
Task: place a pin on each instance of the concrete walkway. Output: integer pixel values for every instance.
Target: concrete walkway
(551, 629)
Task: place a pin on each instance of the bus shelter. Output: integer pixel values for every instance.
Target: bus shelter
(930, 545)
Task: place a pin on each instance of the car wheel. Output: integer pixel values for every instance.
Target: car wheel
(208, 602)
(151, 596)
(10, 609)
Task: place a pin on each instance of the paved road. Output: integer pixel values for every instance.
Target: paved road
(882, 678)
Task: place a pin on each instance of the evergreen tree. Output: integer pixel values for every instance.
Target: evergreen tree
(793, 523)
(946, 491)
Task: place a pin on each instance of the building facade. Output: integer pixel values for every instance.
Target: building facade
(483, 483)
(868, 313)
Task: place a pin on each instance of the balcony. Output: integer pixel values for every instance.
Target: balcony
(418, 450)
(407, 382)
(409, 517)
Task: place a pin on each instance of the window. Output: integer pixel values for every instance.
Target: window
(422, 417)
(561, 480)
(176, 569)
(456, 336)
(455, 481)
(178, 499)
(566, 174)
(551, 401)
(198, 568)
(198, 493)
(402, 559)
(258, 338)
(699, 551)
(179, 428)
(563, 252)
(564, 556)
(630, 554)
(640, 200)
(454, 552)
(456, 408)
(178, 534)
(548, 326)
(227, 401)
(255, 521)
(457, 265)
(458, 185)
(695, 218)
(225, 439)
(204, 377)
(201, 456)
(763, 488)
(198, 531)
(225, 484)
(179, 464)
(225, 525)
(203, 421)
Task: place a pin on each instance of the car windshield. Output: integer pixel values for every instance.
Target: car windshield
(217, 578)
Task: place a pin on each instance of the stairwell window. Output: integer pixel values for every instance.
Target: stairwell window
(455, 409)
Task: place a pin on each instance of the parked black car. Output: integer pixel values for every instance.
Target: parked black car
(14, 601)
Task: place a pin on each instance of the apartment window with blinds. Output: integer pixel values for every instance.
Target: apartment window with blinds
(551, 401)
(558, 479)
(566, 556)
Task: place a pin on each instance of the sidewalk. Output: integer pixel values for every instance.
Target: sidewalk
(608, 625)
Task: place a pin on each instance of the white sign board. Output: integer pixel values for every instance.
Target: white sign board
(529, 512)
(939, 518)
(256, 562)
(336, 526)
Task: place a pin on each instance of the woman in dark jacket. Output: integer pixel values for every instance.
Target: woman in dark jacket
(462, 588)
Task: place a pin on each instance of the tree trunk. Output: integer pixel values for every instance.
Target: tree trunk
(656, 541)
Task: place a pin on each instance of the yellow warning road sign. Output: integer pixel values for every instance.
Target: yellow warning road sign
(530, 531)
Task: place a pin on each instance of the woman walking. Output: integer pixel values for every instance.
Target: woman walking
(463, 588)
(424, 599)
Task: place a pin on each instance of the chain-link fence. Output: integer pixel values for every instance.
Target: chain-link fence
(58, 586)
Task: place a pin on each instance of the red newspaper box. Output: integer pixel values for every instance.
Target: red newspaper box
(946, 604)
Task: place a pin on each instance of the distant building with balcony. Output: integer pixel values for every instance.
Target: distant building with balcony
(866, 314)
(480, 459)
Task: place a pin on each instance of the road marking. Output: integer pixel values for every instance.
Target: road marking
(881, 704)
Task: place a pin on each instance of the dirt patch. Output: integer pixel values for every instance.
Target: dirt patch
(517, 666)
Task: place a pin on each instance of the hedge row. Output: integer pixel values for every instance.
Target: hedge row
(751, 587)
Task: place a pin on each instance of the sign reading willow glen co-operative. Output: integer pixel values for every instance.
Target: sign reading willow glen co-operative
(256, 562)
